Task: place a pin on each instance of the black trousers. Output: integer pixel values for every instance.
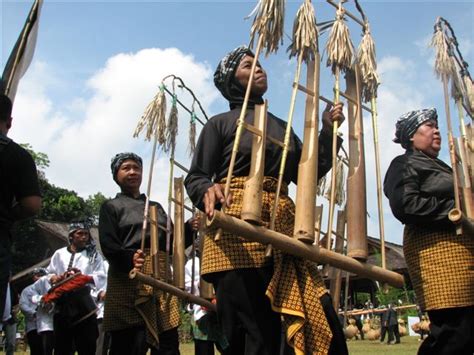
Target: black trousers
(132, 341)
(393, 333)
(82, 336)
(34, 342)
(247, 320)
(451, 332)
(47, 342)
(203, 347)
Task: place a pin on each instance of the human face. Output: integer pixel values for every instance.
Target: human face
(129, 176)
(427, 138)
(80, 238)
(242, 75)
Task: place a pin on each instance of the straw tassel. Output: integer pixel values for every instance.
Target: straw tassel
(305, 33)
(469, 92)
(368, 65)
(340, 178)
(154, 118)
(268, 23)
(192, 134)
(339, 47)
(444, 66)
(172, 128)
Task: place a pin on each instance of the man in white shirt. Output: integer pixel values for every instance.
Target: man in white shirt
(75, 322)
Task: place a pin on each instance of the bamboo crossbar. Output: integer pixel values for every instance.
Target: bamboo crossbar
(163, 286)
(182, 167)
(377, 310)
(190, 209)
(328, 101)
(306, 251)
(355, 18)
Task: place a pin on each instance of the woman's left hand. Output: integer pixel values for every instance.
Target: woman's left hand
(332, 113)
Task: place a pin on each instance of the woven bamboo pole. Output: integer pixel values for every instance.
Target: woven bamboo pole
(252, 197)
(340, 53)
(302, 250)
(134, 274)
(179, 258)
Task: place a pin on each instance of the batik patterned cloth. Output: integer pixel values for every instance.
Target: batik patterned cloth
(441, 267)
(130, 304)
(296, 285)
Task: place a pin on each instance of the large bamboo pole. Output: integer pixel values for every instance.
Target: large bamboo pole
(252, 198)
(308, 166)
(306, 251)
(178, 235)
(356, 185)
(171, 290)
(206, 289)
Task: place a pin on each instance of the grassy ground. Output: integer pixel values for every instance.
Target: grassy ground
(408, 346)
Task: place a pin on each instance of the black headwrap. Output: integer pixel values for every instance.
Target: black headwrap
(119, 158)
(224, 78)
(408, 123)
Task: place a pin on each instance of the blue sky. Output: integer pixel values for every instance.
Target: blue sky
(97, 65)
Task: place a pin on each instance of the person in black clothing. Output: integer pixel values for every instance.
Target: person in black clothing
(145, 319)
(238, 269)
(420, 189)
(393, 333)
(19, 191)
(384, 325)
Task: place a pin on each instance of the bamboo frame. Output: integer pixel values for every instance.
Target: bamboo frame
(179, 258)
(148, 280)
(252, 197)
(306, 251)
(356, 184)
(308, 165)
(206, 289)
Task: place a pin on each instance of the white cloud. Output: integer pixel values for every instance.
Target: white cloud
(80, 136)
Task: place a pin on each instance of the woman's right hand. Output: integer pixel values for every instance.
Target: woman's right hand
(138, 260)
(213, 195)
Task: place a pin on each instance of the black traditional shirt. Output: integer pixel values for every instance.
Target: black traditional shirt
(120, 228)
(420, 189)
(213, 152)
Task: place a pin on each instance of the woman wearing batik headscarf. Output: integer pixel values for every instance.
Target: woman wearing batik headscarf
(441, 263)
(238, 269)
(147, 318)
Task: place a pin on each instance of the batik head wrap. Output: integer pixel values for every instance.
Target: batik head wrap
(119, 158)
(39, 271)
(408, 123)
(224, 77)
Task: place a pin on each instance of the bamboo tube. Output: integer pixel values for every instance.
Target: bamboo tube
(148, 192)
(308, 166)
(134, 274)
(317, 226)
(336, 280)
(466, 189)
(239, 130)
(373, 104)
(168, 217)
(452, 153)
(154, 243)
(356, 186)
(178, 235)
(252, 197)
(310, 252)
(286, 141)
(346, 297)
(332, 198)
